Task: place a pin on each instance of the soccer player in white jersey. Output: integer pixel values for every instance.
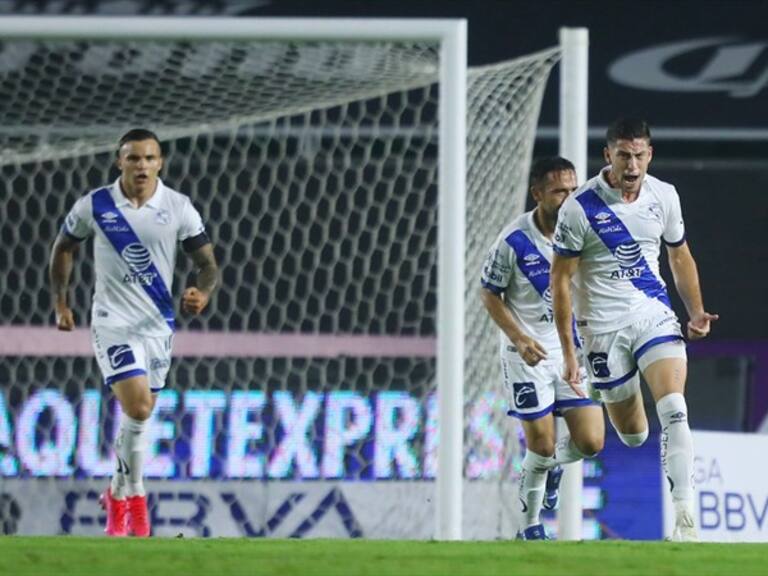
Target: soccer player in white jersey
(607, 246)
(516, 294)
(137, 223)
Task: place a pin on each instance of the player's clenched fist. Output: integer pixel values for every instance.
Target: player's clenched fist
(193, 301)
(65, 320)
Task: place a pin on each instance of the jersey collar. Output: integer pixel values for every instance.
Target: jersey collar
(615, 192)
(154, 202)
(533, 227)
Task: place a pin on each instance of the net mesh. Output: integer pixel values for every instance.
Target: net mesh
(315, 167)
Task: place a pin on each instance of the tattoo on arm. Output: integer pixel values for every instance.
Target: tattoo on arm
(207, 270)
(60, 267)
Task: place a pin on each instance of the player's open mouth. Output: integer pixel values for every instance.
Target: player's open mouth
(631, 178)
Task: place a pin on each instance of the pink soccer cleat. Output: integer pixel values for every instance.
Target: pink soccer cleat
(138, 517)
(117, 514)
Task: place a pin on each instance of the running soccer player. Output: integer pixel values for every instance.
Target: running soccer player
(607, 246)
(137, 223)
(516, 294)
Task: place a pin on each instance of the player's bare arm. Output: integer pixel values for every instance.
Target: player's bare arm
(531, 351)
(59, 272)
(686, 277)
(563, 270)
(195, 298)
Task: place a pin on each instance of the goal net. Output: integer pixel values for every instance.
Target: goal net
(303, 402)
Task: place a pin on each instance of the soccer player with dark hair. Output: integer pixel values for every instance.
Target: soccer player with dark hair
(137, 223)
(516, 294)
(607, 247)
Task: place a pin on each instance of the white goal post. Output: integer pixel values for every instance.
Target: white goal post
(451, 35)
(574, 76)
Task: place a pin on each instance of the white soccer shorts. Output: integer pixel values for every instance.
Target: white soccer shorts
(613, 358)
(534, 392)
(123, 355)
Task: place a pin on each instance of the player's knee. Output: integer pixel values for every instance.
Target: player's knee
(542, 446)
(633, 440)
(139, 411)
(590, 445)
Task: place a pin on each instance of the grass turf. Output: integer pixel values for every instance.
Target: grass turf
(62, 556)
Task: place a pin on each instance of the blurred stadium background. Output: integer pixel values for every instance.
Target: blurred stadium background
(702, 88)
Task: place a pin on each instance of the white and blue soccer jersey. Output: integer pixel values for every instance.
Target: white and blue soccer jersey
(518, 265)
(135, 254)
(618, 243)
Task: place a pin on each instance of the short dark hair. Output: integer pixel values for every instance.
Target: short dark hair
(627, 129)
(137, 135)
(543, 166)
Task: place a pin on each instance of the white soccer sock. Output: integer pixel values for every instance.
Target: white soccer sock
(566, 451)
(129, 477)
(532, 483)
(676, 445)
(117, 486)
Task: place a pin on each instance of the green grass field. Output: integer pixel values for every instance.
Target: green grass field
(62, 556)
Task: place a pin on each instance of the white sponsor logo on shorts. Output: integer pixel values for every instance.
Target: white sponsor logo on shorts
(523, 391)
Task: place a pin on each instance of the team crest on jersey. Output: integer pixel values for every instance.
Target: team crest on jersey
(654, 211)
(525, 395)
(163, 217)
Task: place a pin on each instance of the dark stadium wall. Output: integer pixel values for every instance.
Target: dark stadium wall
(702, 75)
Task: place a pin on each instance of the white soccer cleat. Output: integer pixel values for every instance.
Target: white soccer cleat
(685, 526)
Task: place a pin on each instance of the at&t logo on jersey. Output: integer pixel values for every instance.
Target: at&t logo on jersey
(548, 316)
(139, 260)
(629, 256)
